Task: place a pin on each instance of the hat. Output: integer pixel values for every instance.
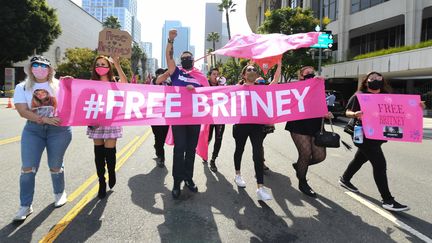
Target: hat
(40, 59)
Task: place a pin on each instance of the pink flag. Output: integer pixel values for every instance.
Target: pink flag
(255, 46)
(266, 50)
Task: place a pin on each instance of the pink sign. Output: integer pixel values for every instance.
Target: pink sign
(86, 102)
(392, 117)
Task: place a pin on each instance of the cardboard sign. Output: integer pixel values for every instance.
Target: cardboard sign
(115, 42)
(392, 117)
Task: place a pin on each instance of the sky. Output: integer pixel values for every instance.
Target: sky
(191, 13)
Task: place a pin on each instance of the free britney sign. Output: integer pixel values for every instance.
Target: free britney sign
(392, 117)
(86, 102)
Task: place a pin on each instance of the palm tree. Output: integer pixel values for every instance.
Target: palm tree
(213, 37)
(136, 56)
(111, 22)
(228, 6)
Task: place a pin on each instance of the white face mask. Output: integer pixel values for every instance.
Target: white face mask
(40, 72)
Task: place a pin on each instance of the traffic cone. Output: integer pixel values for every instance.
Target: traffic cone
(9, 105)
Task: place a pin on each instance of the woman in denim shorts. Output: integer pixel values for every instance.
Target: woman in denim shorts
(35, 100)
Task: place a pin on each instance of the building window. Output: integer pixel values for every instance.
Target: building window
(383, 39)
(358, 5)
(426, 32)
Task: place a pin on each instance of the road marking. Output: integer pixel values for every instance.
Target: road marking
(10, 140)
(67, 219)
(92, 178)
(389, 217)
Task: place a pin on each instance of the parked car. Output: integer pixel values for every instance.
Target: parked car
(335, 104)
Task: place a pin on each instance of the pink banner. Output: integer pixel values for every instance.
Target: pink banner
(392, 117)
(85, 102)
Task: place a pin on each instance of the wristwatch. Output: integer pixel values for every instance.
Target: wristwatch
(170, 41)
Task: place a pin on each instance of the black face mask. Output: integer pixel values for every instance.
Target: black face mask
(187, 63)
(375, 84)
(309, 76)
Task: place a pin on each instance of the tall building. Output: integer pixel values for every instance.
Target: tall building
(148, 48)
(181, 43)
(364, 26)
(152, 66)
(124, 10)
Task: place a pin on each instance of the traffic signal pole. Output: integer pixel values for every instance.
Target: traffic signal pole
(321, 27)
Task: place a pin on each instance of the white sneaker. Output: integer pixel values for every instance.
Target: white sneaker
(239, 181)
(60, 199)
(263, 195)
(23, 212)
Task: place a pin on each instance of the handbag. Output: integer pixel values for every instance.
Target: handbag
(349, 127)
(327, 139)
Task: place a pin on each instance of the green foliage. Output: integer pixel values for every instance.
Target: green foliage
(111, 22)
(231, 70)
(78, 64)
(213, 37)
(143, 59)
(136, 56)
(394, 50)
(26, 26)
(290, 21)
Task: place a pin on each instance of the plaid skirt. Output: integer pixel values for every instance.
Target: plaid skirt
(101, 132)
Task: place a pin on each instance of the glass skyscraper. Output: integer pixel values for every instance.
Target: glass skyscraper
(124, 10)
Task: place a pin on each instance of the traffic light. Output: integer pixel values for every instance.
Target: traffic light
(325, 40)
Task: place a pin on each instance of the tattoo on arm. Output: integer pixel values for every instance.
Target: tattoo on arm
(171, 53)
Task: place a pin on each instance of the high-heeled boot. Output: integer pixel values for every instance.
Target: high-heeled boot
(110, 156)
(99, 151)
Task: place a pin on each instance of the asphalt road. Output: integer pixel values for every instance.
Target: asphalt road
(140, 207)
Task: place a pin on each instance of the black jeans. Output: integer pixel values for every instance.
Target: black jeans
(241, 132)
(371, 151)
(185, 142)
(219, 131)
(160, 133)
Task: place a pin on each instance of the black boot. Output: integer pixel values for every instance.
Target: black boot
(176, 189)
(99, 152)
(110, 154)
(306, 189)
(213, 165)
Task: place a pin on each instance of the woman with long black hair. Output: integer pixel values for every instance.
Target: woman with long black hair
(370, 149)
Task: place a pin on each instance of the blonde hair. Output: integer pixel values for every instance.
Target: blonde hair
(31, 79)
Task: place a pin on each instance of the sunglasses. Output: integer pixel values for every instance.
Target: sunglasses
(251, 70)
(36, 65)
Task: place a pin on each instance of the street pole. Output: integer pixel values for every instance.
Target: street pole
(321, 27)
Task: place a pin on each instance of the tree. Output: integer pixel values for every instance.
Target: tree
(136, 56)
(228, 6)
(27, 27)
(213, 37)
(290, 21)
(78, 63)
(111, 22)
(143, 59)
(232, 71)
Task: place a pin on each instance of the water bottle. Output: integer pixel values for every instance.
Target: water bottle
(358, 134)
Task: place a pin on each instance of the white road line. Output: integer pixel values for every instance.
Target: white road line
(390, 217)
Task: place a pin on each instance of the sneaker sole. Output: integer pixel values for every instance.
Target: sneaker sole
(240, 185)
(347, 187)
(60, 205)
(20, 220)
(262, 199)
(395, 209)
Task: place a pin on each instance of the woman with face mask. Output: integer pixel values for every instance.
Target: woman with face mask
(370, 149)
(241, 132)
(35, 100)
(302, 133)
(105, 137)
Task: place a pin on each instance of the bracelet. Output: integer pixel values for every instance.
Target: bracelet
(170, 41)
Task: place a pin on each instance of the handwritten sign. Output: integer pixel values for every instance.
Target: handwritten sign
(115, 42)
(392, 117)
